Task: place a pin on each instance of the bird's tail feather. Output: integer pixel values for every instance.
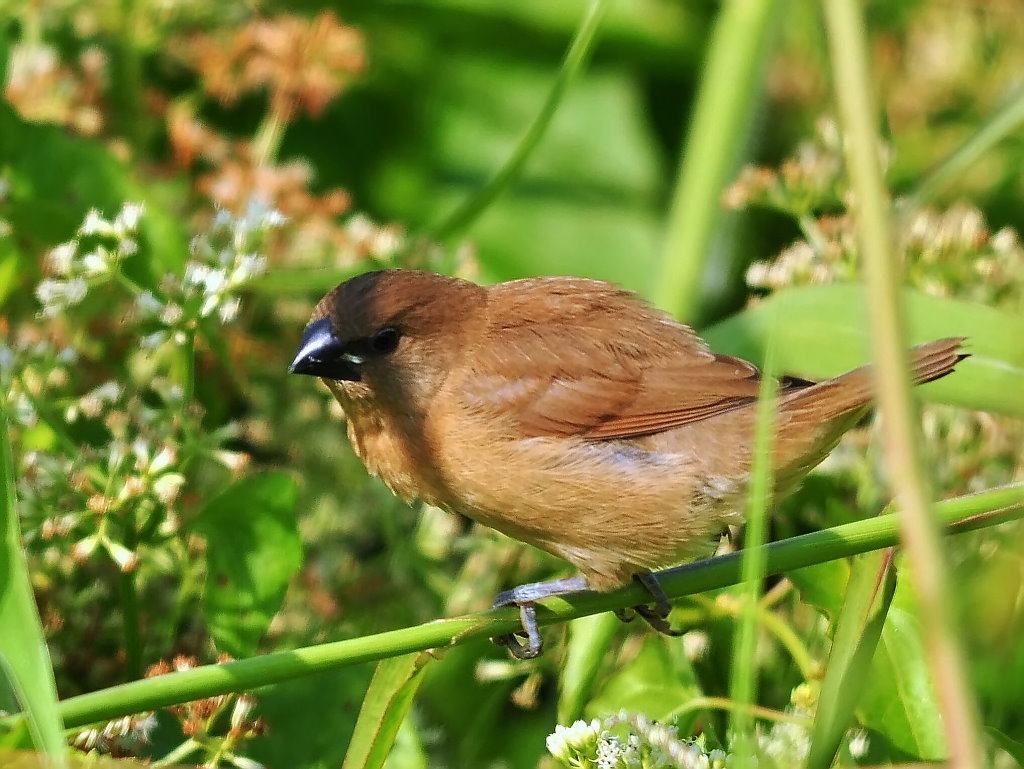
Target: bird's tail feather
(853, 390)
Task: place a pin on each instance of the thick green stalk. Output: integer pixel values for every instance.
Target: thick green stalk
(961, 514)
(919, 532)
(728, 95)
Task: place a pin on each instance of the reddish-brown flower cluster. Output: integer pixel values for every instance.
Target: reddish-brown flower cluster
(199, 717)
(44, 88)
(302, 63)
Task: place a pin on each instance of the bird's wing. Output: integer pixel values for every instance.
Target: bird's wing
(572, 357)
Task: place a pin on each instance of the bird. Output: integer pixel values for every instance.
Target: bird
(569, 414)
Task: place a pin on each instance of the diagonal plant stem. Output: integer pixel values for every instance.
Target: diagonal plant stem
(996, 128)
(919, 532)
(459, 220)
(957, 515)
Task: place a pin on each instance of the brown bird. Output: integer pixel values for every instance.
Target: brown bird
(566, 413)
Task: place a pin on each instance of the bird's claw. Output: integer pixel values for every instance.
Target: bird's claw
(656, 614)
(525, 597)
(534, 643)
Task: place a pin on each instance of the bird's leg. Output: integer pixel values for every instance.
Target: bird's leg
(655, 615)
(525, 597)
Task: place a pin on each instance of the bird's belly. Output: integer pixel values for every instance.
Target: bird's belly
(609, 507)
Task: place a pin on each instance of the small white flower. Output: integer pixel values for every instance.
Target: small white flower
(567, 741)
(167, 487)
(125, 559)
(152, 341)
(76, 290)
(196, 273)
(209, 305)
(859, 743)
(1005, 240)
(171, 314)
(222, 219)
(165, 458)
(97, 261)
(95, 224)
(127, 247)
(84, 547)
(248, 267)
(146, 303)
(229, 310)
(274, 219)
(60, 258)
(128, 218)
(215, 281)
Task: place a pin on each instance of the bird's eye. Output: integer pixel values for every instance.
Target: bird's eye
(385, 340)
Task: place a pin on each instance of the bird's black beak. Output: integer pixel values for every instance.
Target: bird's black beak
(321, 354)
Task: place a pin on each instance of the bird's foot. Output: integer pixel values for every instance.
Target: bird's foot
(525, 597)
(655, 614)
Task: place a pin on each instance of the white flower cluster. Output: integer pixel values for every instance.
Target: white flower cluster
(224, 260)
(629, 741)
(74, 271)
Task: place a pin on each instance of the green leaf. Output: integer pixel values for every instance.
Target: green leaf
(899, 700)
(587, 647)
(385, 707)
(857, 630)
(823, 331)
(253, 550)
(655, 683)
(26, 675)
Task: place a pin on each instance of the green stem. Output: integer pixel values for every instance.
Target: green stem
(729, 92)
(958, 515)
(858, 116)
(179, 754)
(188, 366)
(268, 138)
(994, 130)
(744, 668)
(130, 617)
(788, 637)
(724, 703)
(463, 217)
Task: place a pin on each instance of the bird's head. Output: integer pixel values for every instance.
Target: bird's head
(394, 332)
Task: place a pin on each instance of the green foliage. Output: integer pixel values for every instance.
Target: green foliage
(178, 187)
(253, 552)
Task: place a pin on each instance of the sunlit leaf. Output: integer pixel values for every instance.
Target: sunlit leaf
(253, 551)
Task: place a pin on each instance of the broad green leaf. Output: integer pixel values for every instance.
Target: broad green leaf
(823, 585)
(899, 700)
(253, 551)
(656, 682)
(587, 647)
(597, 219)
(823, 331)
(385, 707)
(26, 675)
(857, 630)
